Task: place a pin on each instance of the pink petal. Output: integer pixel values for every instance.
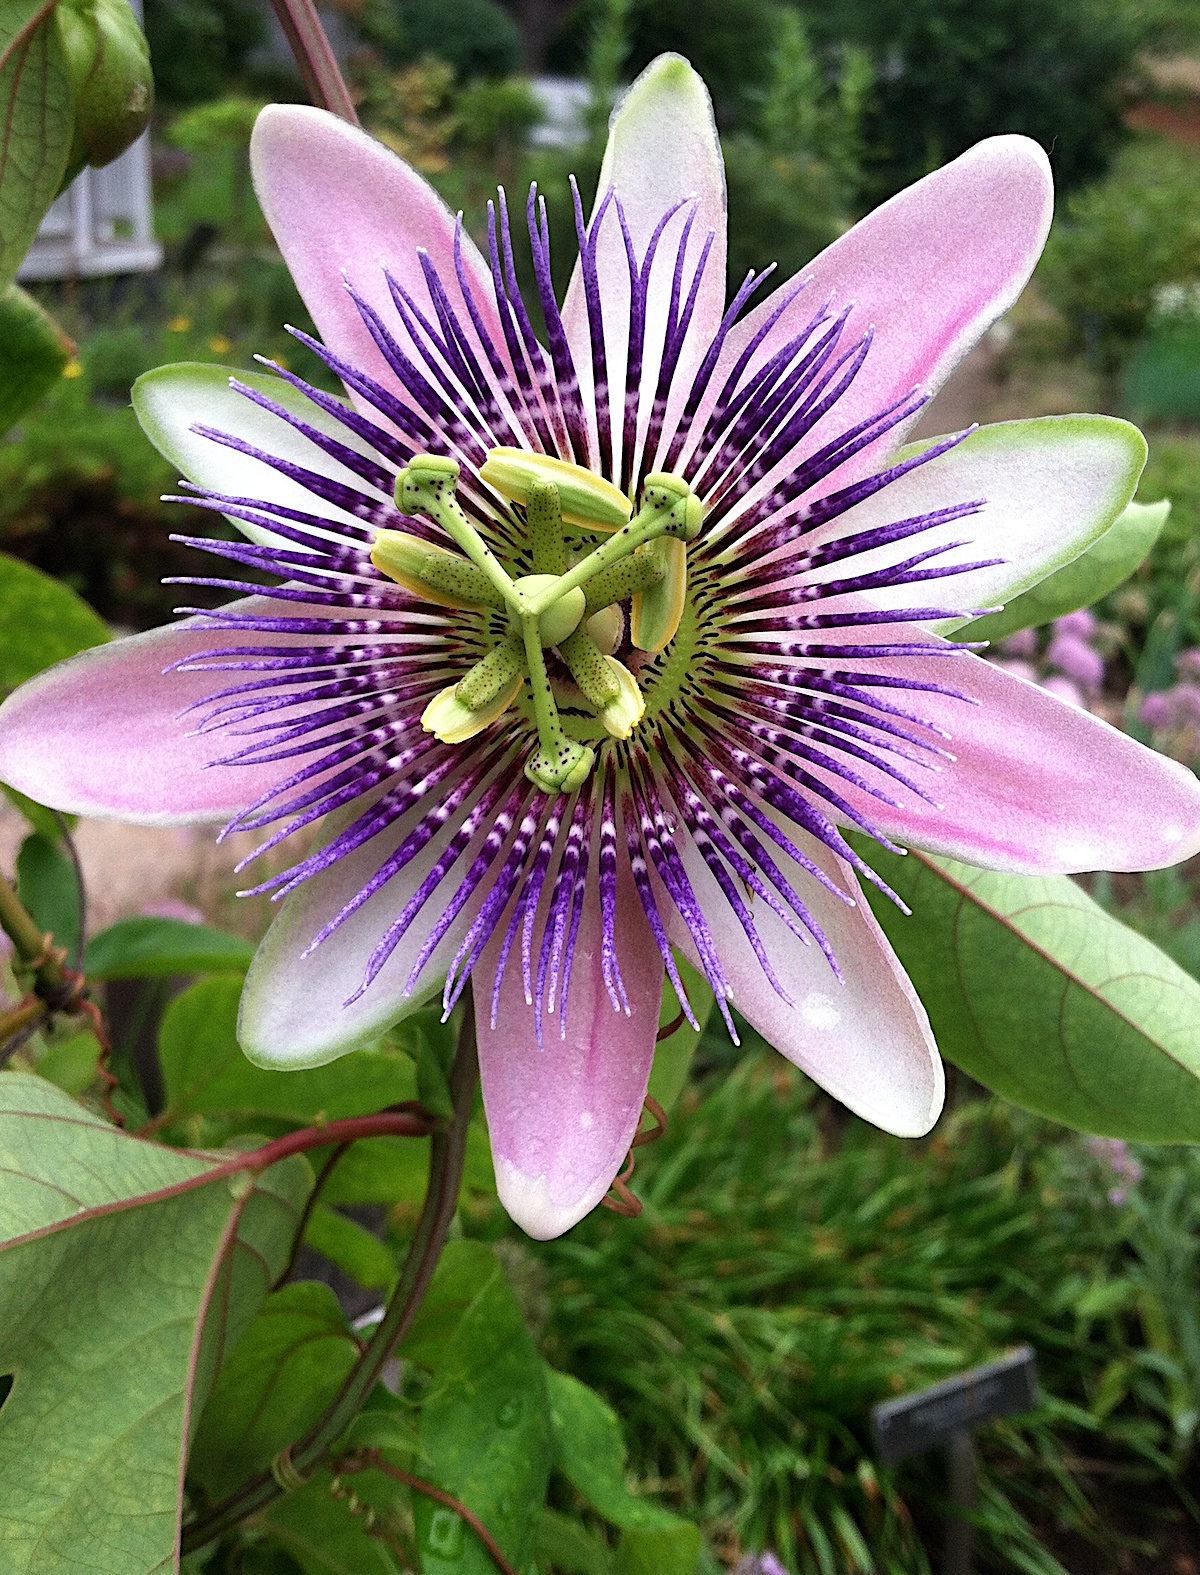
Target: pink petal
(1038, 787)
(337, 200)
(866, 1040)
(1049, 487)
(931, 269)
(561, 1119)
(99, 735)
(662, 147)
(293, 1011)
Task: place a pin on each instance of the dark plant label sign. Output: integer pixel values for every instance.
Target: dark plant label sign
(921, 1421)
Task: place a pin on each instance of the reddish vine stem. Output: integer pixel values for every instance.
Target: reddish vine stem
(323, 79)
(372, 1460)
(306, 1213)
(622, 1201)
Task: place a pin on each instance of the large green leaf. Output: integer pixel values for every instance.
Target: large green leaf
(283, 1373)
(41, 622)
(485, 1436)
(33, 352)
(1046, 999)
(565, 1545)
(204, 1069)
(673, 1551)
(112, 1253)
(589, 1450)
(36, 124)
(149, 948)
(1106, 564)
(464, 1271)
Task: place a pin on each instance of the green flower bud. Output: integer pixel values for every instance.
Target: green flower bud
(112, 88)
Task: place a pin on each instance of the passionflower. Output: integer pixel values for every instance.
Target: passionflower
(592, 647)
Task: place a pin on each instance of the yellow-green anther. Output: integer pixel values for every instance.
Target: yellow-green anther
(654, 613)
(623, 713)
(495, 675)
(590, 670)
(447, 718)
(606, 628)
(428, 571)
(544, 515)
(562, 617)
(427, 486)
(622, 580)
(584, 498)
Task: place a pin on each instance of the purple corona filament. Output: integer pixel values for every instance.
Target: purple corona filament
(780, 713)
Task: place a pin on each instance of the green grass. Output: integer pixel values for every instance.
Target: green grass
(783, 1278)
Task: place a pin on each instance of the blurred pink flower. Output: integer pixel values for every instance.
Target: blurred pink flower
(1081, 624)
(1115, 1156)
(1073, 657)
(1023, 643)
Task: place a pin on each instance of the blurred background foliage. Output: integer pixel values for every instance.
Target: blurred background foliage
(791, 1266)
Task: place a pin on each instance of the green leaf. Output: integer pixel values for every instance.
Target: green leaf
(112, 1250)
(1046, 999)
(673, 1055)
(33, 352)
(148, 948)
(70, 1063)
(590, 1453)
(485, 1438)
(352, 1247)
(1106, 564)
(36, 124)
(396, 1170)
(570, 1547)
(279, 1380)
(464, 1271)
(204, 1069)
(324, 1537)
(49, 888)
(380, 1170)
(674, 1552)
(41, 621)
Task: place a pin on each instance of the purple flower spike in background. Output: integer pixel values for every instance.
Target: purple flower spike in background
(591, 651)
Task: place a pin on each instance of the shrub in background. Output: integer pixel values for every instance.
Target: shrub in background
(953, 71)
(1120, 242)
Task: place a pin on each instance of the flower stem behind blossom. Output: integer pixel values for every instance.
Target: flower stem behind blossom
(314, 55)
